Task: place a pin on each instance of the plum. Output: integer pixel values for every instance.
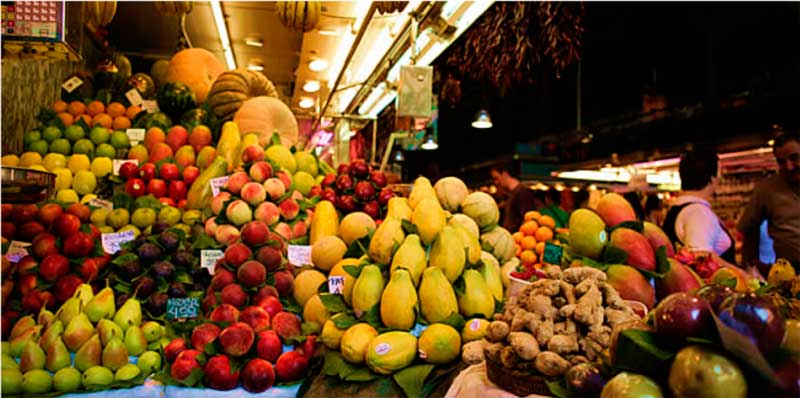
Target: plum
(164, 269)
(585, 379)
(715, 294)
(176, 290)
(184, 259)
(144, 287)
(169, 240)
(682, 315)
(755, 318)
(149, 252)
(130, 270)
(157, 304)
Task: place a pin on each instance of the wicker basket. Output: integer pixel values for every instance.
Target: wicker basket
(516, 382)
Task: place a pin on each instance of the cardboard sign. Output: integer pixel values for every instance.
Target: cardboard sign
(552, 254)
(135, 135)
(134, 97)
(72, 84)
(208, 259)
(17, 250)
(112, 242)
(182, 308)
(217, 184)
(336, 284)
(151, 106)
(97, 202)
(117, 163)
(299, 254)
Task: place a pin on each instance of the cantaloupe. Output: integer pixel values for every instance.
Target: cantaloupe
(197, 68)
(264, 116)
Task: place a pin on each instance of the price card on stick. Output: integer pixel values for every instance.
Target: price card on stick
(113, 241)
(299, 254)
(72, 84)
(217, 184)
(208, 259)
(17, 250)
(336, 284)
(102, 203)
(151, 106)
(134, 97)
(135, 135)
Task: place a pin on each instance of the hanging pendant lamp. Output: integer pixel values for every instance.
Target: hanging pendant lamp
(482, 120)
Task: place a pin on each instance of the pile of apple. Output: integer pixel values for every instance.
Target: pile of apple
(356, 187)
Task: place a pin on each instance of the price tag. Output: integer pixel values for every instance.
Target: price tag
(134, 97)
(17, 250)
(112, 242)
(117, 163)
(135, 135)
(72, 84)
(217, 184)
(552, 254)
(182, 308)
(299, 254)
(208, 259)
(151, 106)
(336, 284)
(97, 202)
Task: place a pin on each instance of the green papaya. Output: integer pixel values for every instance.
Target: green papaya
(448, 253)
(436, 296)
(477, 299)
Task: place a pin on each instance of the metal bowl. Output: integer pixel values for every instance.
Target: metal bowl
(24, 185)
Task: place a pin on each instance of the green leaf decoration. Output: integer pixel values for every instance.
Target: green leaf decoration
(344, 320)
(361, 374)
(730, 282)
(310, 328)
(122, 200)
(357, 248)
(558, 388)
(124, 259)
(637, 226)
(412, 379)
(408, 227)
(614, 255)
(455, 320)
(203, 241)
(333, 302)
(373, 316)
(662, 262)
(353, 270)
(638, 351)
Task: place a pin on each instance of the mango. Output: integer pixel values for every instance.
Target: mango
(399, 301)
(331, 335)
(491, 274)
(391, 351)
(614, 209)
(355, 341)
(477, 300)
(411, 256)
(429, 219)
(367, 290)
(640, 253)
(399, 208)
(448, 253)
(631, 284)
(680, 278)
(451, 191)
(466, 222)
(325, 221)
(587, 233)
(658, 238)
(439, 344)
(387, 237)
(422, 189)
(437, 298)
(471, 243)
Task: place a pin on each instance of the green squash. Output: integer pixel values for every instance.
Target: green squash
(157, 119)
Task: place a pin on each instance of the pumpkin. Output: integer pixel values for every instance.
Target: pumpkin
(175, 99)
(389, 7)
(466, 222)
(169, 8)
(143, 84)
(265, 116)
(101, 12)
(299, 15)
(159, 72)
(197, 68)
(482, 208)
(451, 191)
(499, 243)
(233, 87)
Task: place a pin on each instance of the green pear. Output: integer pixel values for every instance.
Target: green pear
(107, 330)
(32, 357)
(130, 314)
(89, 354)
(9, 362)
(115, 355)
(127, 372)
(135, 341)
(11, 381)
(67, 380)
(57, 356)
(5, 346)
(159, 344)
(149, 362)
(69, 309)
(85, 293)
(102, 305)
(18, 343)
(45, 317)
(152, 331)
(97, 377)
(37, 381)
(51, 334)
(78, 330)
(23, 324)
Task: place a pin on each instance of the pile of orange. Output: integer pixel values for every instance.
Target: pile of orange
(114, 116)
(531, 237)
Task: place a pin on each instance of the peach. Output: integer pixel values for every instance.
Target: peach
(177, 136)
(255, 233)
(211, 226)
(284, 230)
(234, 295)
(260, 171)
(269, 346)
(226, 234)
(271, 304)
(209, 302)
(285, 178)
(299, 229)
(219, 374)
(256, 317)
(267, 212)
(275, 188)
(253, 193)
(262, 294)
(297, 195)
(200, 137)
(257, 376)
(237, 339)
(252, 153)
(237, 181)
(270, 257)
(237, 254)
(289, 209)
(185, 364)
(218, 202)
(184, 156)
(140, 153)
(284, 282)
(174, 348)
(159, 152)
(224, 313)
(205, 156)
(291, 366)
(204, 334)
(222, 277)
(286, 325)
(251, 274)
(279, 241)
(239, 212)
(154, 136)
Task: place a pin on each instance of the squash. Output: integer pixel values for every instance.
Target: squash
(143, 84)
(175, 99)
(299, 15)
(101, 12)
(451, 191)
(265, 116)
(499, 243)
(197, 68)
(232, 88)
(169, 8)
(195, 117)
(482, 208)
(147, 120)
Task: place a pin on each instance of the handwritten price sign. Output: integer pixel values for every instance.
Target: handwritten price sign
(182, 308)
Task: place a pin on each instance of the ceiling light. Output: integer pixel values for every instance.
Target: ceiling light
(398, 156)
(254, 42)
(429, 144)
(222, 30)
(318, 65)
(482, 120)
(328, 32)
(306, 102)
(771, 142)
(255, 66)
(575, 189)
(311, 86)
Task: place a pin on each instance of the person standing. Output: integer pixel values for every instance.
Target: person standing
(520, 198)
(552, 207)
(776, 200)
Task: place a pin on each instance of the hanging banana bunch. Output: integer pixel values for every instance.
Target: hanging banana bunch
(299, 15)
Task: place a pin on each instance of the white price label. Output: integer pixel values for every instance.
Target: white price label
(117, 163)
(217, 184)
(151, 106)
(336, 284)
(382, 348)
(474, 325)
(72, 84)
(134, 97)
(208, 259)
(113, 241)
(299, 255)
(97, 202)
(135, 135)
(17, 250)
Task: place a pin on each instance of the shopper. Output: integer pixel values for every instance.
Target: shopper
(519, 200)
(776, 200)
(636, 202)
(653, 211)
(552, 207)
(690, 220)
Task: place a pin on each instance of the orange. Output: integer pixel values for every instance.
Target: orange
(528, 257)
(539, 248)
(86, 119)
(532, 215)
(60, 106)
(121, 123)
(102, 119)
(517, 236)
(115, 109)
(95, 108)
(76, 108)
(518, 250)
(547, 221)
(154, 136)
(132, 112)
(529, 228)
(544, 234)
(528, 242)
(66, 118)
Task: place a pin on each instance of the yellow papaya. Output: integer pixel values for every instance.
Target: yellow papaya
(200, 193)
(399, 301)
(448, 254)
(367, 290)
(391, 351)
(325, 221)
(428, 217)
(399, 208)
(230, 141)
(437, 299)
(422, 190)
(411, 256)
(386, 238)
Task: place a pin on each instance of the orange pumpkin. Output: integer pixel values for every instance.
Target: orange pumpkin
(197, 68)
(264, 116)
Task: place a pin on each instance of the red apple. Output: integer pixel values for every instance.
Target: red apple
(157, 187)
(364, 191)
(344, 183)
(329, 194)
(257, 375)
(26, 283)
(65, 287)
(81, 211)
(309, 346)
(21, 214)
(343, 169)
(135, 187)
(26, 232)
(384, 196)
(177, 190)
(78, 245)
(346, 203)
(53, 267)
(89, 269)
(222, 277)
(169, 172)
(190, 173)
(284, 282)
(44, 244)
(27, 265)
(167, 201)
(373, 209)
(264, 292)
(8, 230)
(237, 253)
(128, 170)
(48, 213)
(359, 169)
(255, 233)
(378, 178)
(269, 346)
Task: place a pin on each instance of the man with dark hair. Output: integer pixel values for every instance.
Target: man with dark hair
(690, 220)
(777, 200)
(520, 198)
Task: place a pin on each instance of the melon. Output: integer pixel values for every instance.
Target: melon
(265, 116)
(197, 68)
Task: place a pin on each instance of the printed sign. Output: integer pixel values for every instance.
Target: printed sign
(134, 97)
(135, 135)
(117, 163)
(17, 250)
(299, 254)
(217, 184)
(336, 284)
(112, 242)
(552, 254)
(151, 106)
(72, 84)
(182, 308)
(97, 202)
(208, 259)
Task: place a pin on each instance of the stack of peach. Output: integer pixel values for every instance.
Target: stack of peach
(531, 237)
(114, 116)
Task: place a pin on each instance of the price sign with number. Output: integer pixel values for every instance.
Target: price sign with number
(217, 184)
(552, 254)
(134, 97)
(72, 84)
(336, 284)
(178, 308)
(299, 254)
(151, 106)
(113, 241)
(208, 259)
(135, 135)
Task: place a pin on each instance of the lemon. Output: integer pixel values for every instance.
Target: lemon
(120, 140)
(67, 196)
(98, 217)
(83, 145)
(143, 217)
(39, 146)
(37, 167)
(31, 137)
(136, 231)
(29, 159)
(105, 150)
(118, 218)
(88, 197)
(168, 215)
(102, 167)
(78, 162)
(74, 133)
(53, 161)
(99, 135)
(10, 160)
(63, 178)
(105, 229)
(51, 134)
(191, 217)
(84, 182)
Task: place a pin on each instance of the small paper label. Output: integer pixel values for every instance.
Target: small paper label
(97, 202)
(117, 163)
(336, 284)
(474, 325)
(603, 236)
(151, 106)
(299, 255)
(17, 250)
(422, 354)
(217, 184)
(71, 84)
(208, 259)
(382, 348)
(135, 135)
(112, 242)
(134, 97)
(552, 254)
(182, 308)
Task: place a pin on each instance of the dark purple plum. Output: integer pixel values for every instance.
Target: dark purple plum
(121, 299)
(715, 294)
(682, 315)
(585, 380)
(157, 304)
(149, 252)
(169, 240)
(159, 227)
(184, 259)
(144, 287)
(176, 290)
(164, 269)
(755, 318)
(130, 270)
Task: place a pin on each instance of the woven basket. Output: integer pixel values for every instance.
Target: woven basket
(515, 382)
